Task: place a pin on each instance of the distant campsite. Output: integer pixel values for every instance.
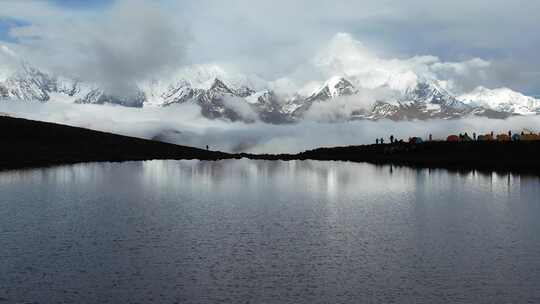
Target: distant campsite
(465, 137)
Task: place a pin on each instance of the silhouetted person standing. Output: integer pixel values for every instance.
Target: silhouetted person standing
(430, 137)
(474, 135)
(382, 141)
(391, 139)
(377, 141)
(207, 148)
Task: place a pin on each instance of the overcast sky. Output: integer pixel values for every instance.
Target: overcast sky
(273, 38)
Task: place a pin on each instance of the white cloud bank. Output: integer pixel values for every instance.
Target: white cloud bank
(184, 125)
(347, 57)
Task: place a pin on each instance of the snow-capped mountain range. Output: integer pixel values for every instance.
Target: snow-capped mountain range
(503, 100)
(222, 98)
(343, 81)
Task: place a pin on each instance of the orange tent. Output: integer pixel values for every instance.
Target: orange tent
(452, 138)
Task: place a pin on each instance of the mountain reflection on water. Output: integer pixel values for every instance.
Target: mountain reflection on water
(242, 231)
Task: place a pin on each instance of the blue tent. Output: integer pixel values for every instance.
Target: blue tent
(415, 140)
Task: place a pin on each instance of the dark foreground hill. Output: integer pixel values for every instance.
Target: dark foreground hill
(28, 143)
(522, 156)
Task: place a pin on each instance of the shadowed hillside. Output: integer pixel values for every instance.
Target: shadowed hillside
(27, 143)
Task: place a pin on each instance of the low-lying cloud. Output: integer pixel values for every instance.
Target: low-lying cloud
(341, 108)
(183, 124)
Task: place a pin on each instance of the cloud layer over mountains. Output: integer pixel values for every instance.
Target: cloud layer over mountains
(344, 56)
(130, 39)
(283, 32)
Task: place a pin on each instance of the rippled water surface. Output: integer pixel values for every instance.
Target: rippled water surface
(267, 232)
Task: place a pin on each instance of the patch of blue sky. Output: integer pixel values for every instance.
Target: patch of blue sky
(6, 24)
(82, 4)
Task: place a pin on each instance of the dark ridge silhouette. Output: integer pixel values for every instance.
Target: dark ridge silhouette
(27, 143)
(520, 156)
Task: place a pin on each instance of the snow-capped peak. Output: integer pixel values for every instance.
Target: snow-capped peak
(332, 88)
(431, 92)
(405, 88)
(502, 99)
(203, 76)
(219, 86)
(339, 86)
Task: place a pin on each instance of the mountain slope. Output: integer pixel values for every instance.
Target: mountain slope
(32, 143)
(502, 100)
(333, 88)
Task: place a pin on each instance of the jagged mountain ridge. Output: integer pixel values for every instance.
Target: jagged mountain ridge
(221, 100)
(335, 87)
